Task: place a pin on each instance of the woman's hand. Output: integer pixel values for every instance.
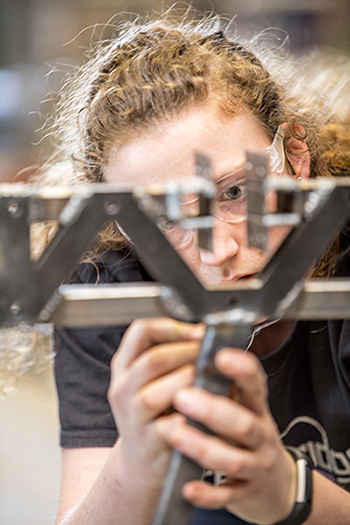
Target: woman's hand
(260, 484)
(155, 359)
(151, 373)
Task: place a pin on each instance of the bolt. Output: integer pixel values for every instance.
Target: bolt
(15, 309)
(14, 209)
(111, 207)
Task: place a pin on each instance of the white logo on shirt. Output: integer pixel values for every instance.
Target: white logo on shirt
(333, 462)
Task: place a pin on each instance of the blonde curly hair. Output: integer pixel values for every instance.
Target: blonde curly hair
(152, 71)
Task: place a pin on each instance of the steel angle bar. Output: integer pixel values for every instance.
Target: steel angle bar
(107, 304)
(121, 303)
(323, 299)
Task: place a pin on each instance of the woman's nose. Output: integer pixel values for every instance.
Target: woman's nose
(225, 245)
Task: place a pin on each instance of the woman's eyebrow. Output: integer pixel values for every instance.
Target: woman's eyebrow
(238, 169)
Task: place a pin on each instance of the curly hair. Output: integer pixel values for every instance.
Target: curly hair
(152, 71)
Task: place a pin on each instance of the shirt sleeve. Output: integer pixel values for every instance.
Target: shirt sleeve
(82, 362)
(82, 372)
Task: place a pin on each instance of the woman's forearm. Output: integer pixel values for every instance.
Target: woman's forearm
(117, 497)
(330, 503)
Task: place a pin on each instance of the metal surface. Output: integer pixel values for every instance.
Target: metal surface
(28, 291)
(172, 508)
(119, 304)
(256, 170)
(324, 300)
(111, 304)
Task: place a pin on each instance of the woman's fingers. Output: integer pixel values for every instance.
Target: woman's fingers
(156, 397)
(151, 399)
(144, 378)
(202, 494)
(161, 360)
(248, 375)
(145, 333)
(240, 423)
(209, 451)
(150, 380)
(224, 417)
(145, 382)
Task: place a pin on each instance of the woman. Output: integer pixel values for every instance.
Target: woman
(136, 113)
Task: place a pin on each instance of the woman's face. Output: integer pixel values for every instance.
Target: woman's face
(168, 152)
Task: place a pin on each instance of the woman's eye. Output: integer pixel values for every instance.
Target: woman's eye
(235, 192)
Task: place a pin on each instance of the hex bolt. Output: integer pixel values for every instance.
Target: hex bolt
(15, 308)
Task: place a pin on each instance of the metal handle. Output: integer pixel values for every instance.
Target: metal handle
(172, 509)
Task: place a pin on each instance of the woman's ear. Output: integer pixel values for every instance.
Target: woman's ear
(296, 150)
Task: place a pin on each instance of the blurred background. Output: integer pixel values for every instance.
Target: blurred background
(35, 37)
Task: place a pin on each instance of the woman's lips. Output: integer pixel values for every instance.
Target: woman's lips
(246, 276)
(239, 277)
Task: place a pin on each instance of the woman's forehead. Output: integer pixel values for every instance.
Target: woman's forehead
(168, 151)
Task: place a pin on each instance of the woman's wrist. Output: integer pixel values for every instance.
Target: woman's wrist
(302, 488)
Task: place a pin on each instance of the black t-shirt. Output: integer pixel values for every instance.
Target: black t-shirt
(309, 385)
(82, 362)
